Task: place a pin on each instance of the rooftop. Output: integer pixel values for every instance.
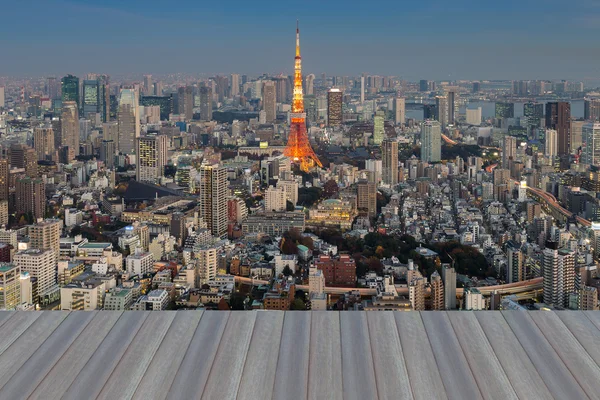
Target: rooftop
(96, 245)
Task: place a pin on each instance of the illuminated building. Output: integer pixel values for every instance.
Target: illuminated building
(334, 107)
(152, 158)
(332, 212)
(298, 148)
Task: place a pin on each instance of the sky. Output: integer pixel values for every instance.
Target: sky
(434, 39)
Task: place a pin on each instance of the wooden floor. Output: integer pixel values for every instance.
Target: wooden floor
(299, 355)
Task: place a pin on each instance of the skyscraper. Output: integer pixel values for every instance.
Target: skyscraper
(310, 84)
(206, 103)
(213, 198)
(4, 178)
(129, 120)
(509, 150)
(591, 109)
(2, 98)
(431, 141)
(441, 103)
(558, 117)
(334, 107)
(235, 85)
(43, 142)
(389, 165)
(551, 144)
(269, 101)
(558, 272)
(399, 110)
(533, 112)
(107, 153)
(30, 197)
(378, 127)
(185, 102)
(505, 110)
(151, 158)
(70, 127)
(591, 143)
(22, 156)
(362, 89)
(148, 87)
(367, 198)
(451, 100)
(449, 277)
(515, 267)
(437, 292)
(52, 88)
(70, 89)
(423, 85)
(96, 98)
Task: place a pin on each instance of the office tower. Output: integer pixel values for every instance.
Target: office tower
(221, 87)
(362, 89)
(451, 101)
(519, 88)
(591, 109)
(275, 199)
(509, 150)
(269, 102)
(576, 134)
(40, 264)
(158, 89)
(423, 85)
(185, 102)
(110, 131)
(389, 162)
(437, 292)
(558, 272)
(206, 103)
(52, 88)
(70, 127)
(30, 197)
(148, 87)
(2, 97)
(429, 111)
(551, 143)
(4, 178)
(96, 98)
(151, 158)
(473, 116)
(449, 277)
(25, 157)
(128, 120)
(213, 198)
(431, 141)
(107, 153)
(43, 142)
(334, 107)
(533, 113)
(399, 110)
(70, 89)
(367, 198)
(378, 128)
(558, 117)
(515, 269)
(310, 84)
(476, 87)
(10, 286)
(298, 148)
(505, 110)
(441, 106)
(591, 143)
(235, 85)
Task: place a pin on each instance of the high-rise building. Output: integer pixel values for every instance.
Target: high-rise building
(185, 102)
(533, 113)
(590, 153)
(576, 134)
(441, 110)
(206, 103)
(431, 141)
(437, 292)
(108, 150)
(423, 85)
(509, 150)
(515, 267)
(451, 100)
(389, 162)
(96, 98)
(22, 156)
(30, 197)
(128, 120)
(378, 127)
(43, 142)
(206, 264)
(449, 277)
(558, 272)
(476, 87)
(151, 158)
(70, 127)
(269, 102)
(551, 143)
(473, 116)
(70, 89)
(334, 107)
(558, 117)
(310, 84)
(2, 97)
(213, 198)
(275, 199)
(148, 87)
(10, 286)
(367, 198)
(235, 85)
(416, 293)
(591, 109)
(4, 178)
(399, 110)
(505, 110)
(474, 300)
(46, 235)
(41, 265)
(52, 88)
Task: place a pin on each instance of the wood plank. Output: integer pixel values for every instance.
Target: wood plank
(325, 365)
(159, 376)
(14, 327)
(519, 369)
(131, 368)
(226, 371)
(291, 379)
(63, 373)
(423, 373)
(260, 367)
(555, 374)
(454, 368)
(388, 360)
(585, 371)
(358, 376)
(33, 371)
(19, 352)
(193, 372)
(90, 381)
(487, 370)
(584, 330)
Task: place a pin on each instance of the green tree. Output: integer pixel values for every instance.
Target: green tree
(298, 304)
(287, 271)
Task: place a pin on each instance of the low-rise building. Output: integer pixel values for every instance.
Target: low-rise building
(118, 299)
(85, 296)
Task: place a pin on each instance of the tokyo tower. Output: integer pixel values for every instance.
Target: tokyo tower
(298, 147)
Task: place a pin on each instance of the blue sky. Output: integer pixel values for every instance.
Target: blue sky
(462, 39)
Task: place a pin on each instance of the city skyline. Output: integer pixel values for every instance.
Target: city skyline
(410, 41)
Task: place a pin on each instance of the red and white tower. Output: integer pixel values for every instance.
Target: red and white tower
(298, 147)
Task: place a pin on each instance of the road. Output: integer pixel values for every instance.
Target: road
(551, 201)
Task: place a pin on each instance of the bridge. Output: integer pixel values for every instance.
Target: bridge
(557, 210)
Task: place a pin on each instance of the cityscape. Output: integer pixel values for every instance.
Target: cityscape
(341, 197)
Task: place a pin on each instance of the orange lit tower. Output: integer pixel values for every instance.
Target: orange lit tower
(298, 147)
